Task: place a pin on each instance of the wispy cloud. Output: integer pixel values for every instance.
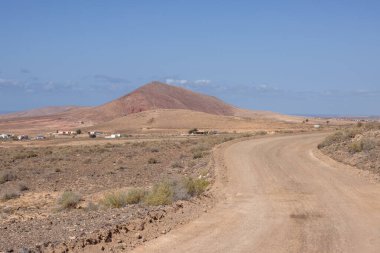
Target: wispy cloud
(188, 83)
(9, 83)
(177, 81)
(110, 79)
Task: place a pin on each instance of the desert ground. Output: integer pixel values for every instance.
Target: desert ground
(99, 175)
(280, 194)
(185, 172)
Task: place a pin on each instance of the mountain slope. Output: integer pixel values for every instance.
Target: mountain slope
(45, 111)
(158, 95)
(180, 120)
(154, 95)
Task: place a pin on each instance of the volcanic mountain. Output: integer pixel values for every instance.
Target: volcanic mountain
(155, 95)
(152, 97)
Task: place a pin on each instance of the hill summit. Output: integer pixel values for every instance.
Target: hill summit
(157, 95)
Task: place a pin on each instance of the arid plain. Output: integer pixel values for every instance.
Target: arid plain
(163, 162)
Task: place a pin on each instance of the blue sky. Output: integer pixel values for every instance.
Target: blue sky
(306, 57)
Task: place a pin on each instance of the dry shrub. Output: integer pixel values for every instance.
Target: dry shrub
(6, 177)
(115, 199)
(165, 192)
(177, 164)
(196, 187)
(161, 194)
(364, 144)
(69, 200)
(152, 161)
(121, 199)
(356, 147)
(23, 187)
(135, 196)
(338, 137)
(10, 195)
(198, 155)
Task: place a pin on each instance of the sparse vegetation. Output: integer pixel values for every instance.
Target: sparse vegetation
(197, 154)
(115, 199)
(177, 164)
(69, 200)
(91, 206)
(152, 160)
(29, 154)
(6, 177)
(193, 131)
(10, 195)
(261, 133)
(135, 196)
(165, 192)
(23, 187)
(196, 187)
(154, 150)
(357, 146)
(161, 194)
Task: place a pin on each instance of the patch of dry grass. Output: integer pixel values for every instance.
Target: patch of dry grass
(68, 200)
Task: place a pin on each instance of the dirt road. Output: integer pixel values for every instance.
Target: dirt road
(279, 197)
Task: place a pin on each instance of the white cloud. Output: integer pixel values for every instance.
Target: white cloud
(8, 83)
(202, 82)
(188, 83)
(176, 81)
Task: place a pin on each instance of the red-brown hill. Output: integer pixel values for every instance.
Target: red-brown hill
(155, 95)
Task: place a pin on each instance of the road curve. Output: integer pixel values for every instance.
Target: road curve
(279, 197)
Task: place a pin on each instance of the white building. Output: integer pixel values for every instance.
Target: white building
(4, 136)
(113, 136)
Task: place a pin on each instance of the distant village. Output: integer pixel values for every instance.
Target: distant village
(62, 134)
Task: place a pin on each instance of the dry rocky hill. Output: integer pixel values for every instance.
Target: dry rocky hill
(150, 97)
(180, 120)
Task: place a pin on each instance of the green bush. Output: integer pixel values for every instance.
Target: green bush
(196, 187)
(69, 200)
(161, 194)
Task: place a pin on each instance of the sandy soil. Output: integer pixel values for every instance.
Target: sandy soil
(278, 195)
(39, 175)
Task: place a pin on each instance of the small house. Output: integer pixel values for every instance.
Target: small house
(113, 136)
(5, 136)
(22, 137)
